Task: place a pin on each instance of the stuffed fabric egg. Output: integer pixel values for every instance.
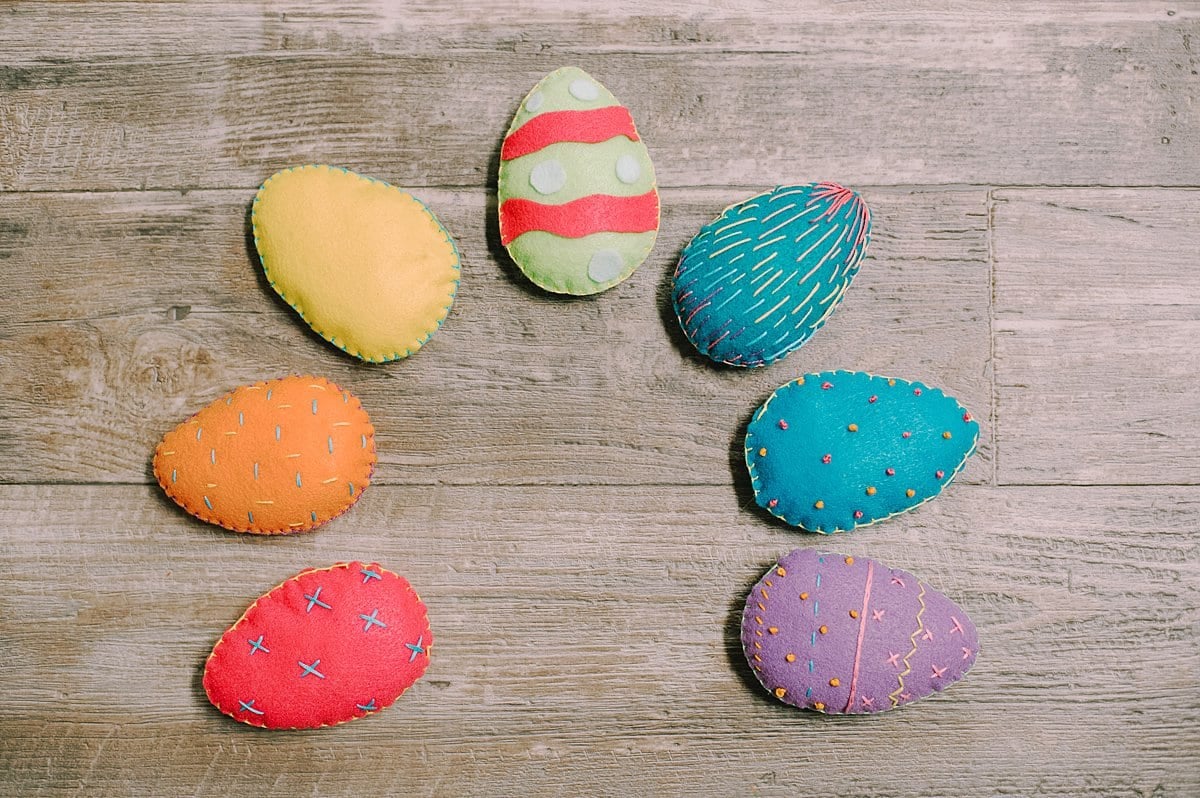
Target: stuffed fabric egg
(758, 281)
(578, 203)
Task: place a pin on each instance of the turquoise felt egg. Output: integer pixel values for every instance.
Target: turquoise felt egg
(759, 280)
(832, 451)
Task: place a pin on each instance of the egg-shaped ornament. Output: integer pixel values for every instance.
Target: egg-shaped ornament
(365, 264)
(759, 280)
(833, 451)
(851, 635)
(577, 197)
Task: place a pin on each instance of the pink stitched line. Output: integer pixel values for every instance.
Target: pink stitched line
(862, 629)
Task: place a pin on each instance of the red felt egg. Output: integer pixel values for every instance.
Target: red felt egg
(327, 646)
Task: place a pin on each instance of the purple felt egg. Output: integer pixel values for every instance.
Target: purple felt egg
(849, 635)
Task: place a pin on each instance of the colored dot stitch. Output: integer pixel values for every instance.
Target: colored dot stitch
(891, 383)
(834, 682)
(853, 613)
(853, 428)
(780, 692)
(773, 630)
(773, 503)
(783, 424)
(910, 493)
(825, 386)
(940, 474)
(946, 435)
(870, 490)
(827, 459)
(790, 658)
(966, 416)
(803, 596)
(823, 630)
(905, 434)
(849, 561)
(820, 505)
(781, 571)
(873, 399)
(762, 452)
(891, 472)
(916, 391)
(819, 707)
(858, 513)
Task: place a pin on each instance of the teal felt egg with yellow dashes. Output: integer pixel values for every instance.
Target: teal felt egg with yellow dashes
(832, 451)
(577, 199)
(758, 281)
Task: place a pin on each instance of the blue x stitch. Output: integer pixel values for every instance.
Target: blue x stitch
(367, 707)
(257, 645)
(368, 575)
(415, 648)
(372, 620)
(312, 669)
(315, 599)
(248, 706)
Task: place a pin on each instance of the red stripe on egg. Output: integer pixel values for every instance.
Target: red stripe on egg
(584, 127)
(596, 213)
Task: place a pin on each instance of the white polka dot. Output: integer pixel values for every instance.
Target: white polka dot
(583, 89)
(605, 265)
(548, 177)
(628, 169)
(535, 101)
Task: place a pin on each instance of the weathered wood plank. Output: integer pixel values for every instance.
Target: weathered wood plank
(587, 637)
(53, 30)
(124, 313)
(989, 100)
(1097, 314)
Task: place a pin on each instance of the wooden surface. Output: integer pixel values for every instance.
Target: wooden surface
(561, 479)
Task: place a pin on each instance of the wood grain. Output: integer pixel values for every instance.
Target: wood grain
(562, 479)
(576, 650)
(1096, 324)
(519, 386)
(1108, 98)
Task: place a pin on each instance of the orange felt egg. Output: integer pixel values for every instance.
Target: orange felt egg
(276, 457)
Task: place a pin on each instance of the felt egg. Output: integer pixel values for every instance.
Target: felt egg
(577, 198)
(327, 646)
(832, 451)
(279, 456)
(364, 263)
(759, 280)
(849, 635)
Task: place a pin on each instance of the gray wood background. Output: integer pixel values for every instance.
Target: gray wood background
(560, 478)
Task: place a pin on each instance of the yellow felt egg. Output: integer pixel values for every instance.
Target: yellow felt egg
(364, 263)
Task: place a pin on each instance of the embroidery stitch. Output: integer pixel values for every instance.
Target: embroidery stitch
(315, 600)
